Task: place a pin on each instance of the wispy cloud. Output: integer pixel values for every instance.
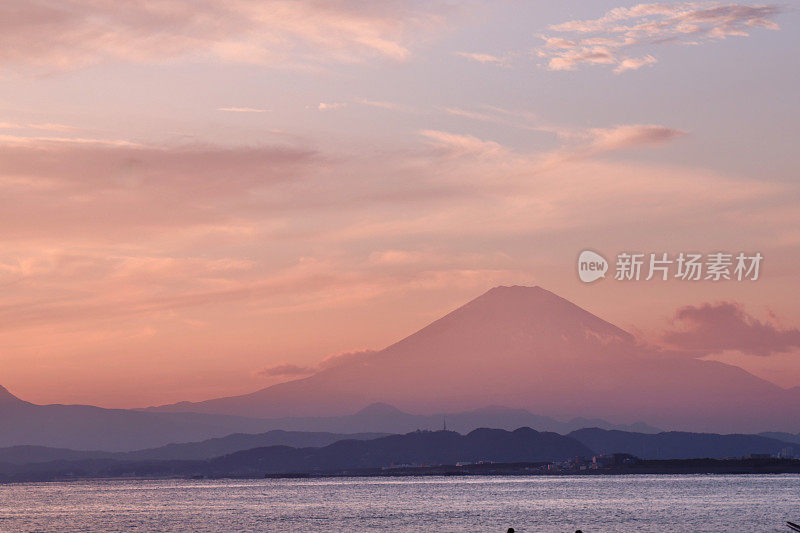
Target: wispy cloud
(121, 180)
(332, 361)
(243, 109)
(591, 142)
(55, 141)
(381, 104)
(513, 118)
(616, 37)
(73, 33)
(327, 106)
(456, 144)
(634, 63)
(33, 126)
(287, 369)
(484, 58)
(626, 136)
(577, 141)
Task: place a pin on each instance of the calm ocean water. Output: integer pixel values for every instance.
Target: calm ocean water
(612, 503)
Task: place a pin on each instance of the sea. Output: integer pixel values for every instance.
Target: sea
(636, 503)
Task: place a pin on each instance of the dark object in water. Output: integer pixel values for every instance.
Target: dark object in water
(510, 530)
(792, 525)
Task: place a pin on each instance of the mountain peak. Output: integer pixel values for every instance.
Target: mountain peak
(529, 288)
(7, 397)
(528, 348)
(529, 310)
(522, 290)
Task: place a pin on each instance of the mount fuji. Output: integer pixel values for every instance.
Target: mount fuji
(527, 348)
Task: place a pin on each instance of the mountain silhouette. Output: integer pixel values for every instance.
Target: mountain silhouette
(787, 437)
(527, 348)
(386, 418)
(85, 427)
(428, 447)
(280, 452)
(6, 398)
(419, 447)
(679, 444)
(205, 449)
(73, 431)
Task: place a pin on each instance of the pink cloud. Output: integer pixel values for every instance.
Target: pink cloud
(332, 361)
(380, 104)
(484, 58)
(33, 126)
(610, 39)
(287, 369)
(713, 328)
(345, 358)
(593, 142)
(457, 145)
(74, 33)
(243, 109)
(326, 106)
(634, 63)
(71, 183)
(626, 136)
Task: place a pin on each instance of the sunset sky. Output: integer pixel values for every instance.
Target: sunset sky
(203, 198)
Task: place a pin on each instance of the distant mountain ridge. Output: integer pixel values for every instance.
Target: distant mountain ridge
(420, 447)
(523, 445)
(386, 418)
(85, 427)
(662, 445)
(680, 444)
(207, 449)
(77, 428)
(786, 437)
(527, 348)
